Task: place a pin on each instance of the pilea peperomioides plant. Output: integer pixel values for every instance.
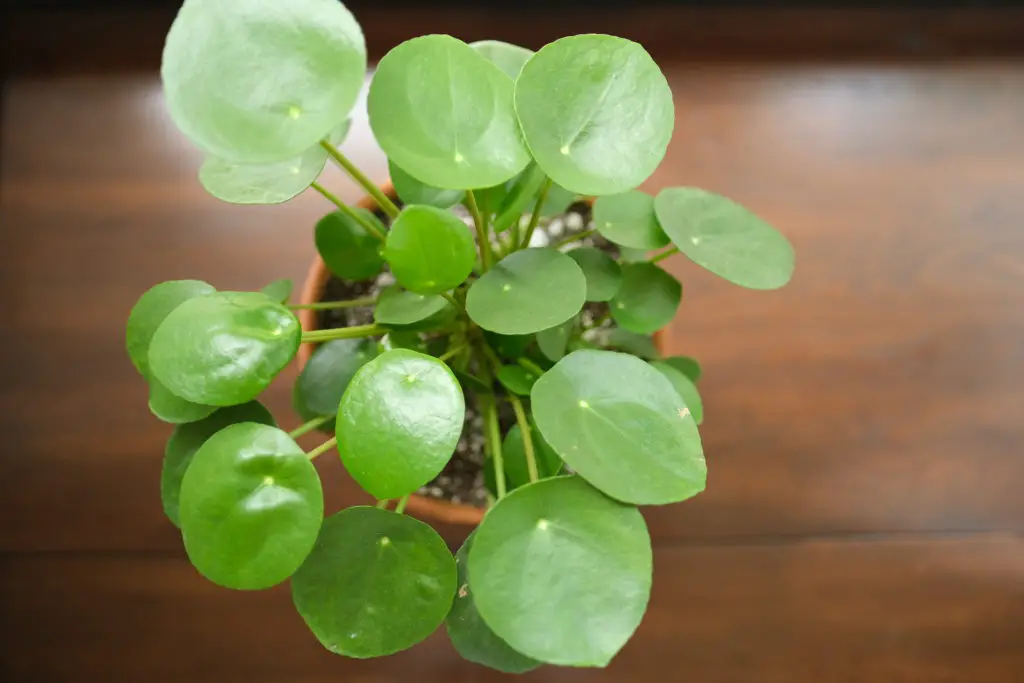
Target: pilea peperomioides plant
(477, 305)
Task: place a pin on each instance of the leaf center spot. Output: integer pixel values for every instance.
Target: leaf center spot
(584, 404)
(695, 240)
(542, 524)
(411, 379)
(384, 541)
(295, 170)
(459, 158)
(620, 305)
(294, 112)
(506, 288)
(564, 150)
(268, 480)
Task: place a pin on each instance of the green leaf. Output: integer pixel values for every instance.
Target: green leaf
(430, 250)
(299, 406)
(397, 307)
(630, 255)
(330, 370)
(602, 272)
(152, 307)
(647, 299)
(453, 124)
(558, 200)
(553, 341)
(224, 348)
(273, 183)
(622, 426)
(347, 249)
(562, 573)
(508, 346)
(686, 365)
(514, 454)
(527, 291)
(258, 81)
(596, 112)
(686, 389)
(412, 191)
(186, 439)
(637, 344)
(376, 583)
(405, 339)
(727, 239)
(516, 379)
(521, 197)
(399, 422)
(279, 290)
(251, 507)
(628, 219)
(174, 409)
(508, 57)
(472, 638)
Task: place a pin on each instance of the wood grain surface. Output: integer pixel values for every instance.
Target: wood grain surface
(864, 430)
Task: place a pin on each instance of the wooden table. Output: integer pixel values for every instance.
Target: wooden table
(864, 431)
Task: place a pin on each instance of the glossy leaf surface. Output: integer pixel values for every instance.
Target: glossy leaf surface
(430, 250)
(398, 307)
(628, 219)
(647, 300)
(347, 249)
(604, 276)
(174, 409)
(508, 57)
(329, 371)
(153, 306)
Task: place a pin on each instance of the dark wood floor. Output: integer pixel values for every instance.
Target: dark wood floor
(865, 429)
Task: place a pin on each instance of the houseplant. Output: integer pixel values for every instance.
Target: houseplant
(559, 570)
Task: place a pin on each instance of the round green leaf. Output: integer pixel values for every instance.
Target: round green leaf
(508, 57)
(347, 249)
(174, 409)
(727, 239)
(628, 220)
(686, 389)
(376, 583)
(647, 300)
(558, 200)
(397, 307)
(472, 638)
(630, 255)
(412, 191)
(686, 365)
(527, 291)
(637, 344)
(399, 422)
(330, 370)
(224, 348)
(279, 290)
(596, 112)
(602, 272)
(251, 507)
(258, 81)
(516, 379)
(186, 439)
(553, 341)
(562, 573)
(510, 346)
(430, 250)
(445, 114)
(514, 455)
(621, 425)
(150, 310)
(272, 183)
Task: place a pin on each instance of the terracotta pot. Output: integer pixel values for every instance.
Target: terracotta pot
(312, 290)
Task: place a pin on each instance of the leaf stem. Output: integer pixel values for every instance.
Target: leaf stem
(527, 434)
(400, 508)
(535, 216)
(386, 205)
(331, 305)
(531, 366)
(354, 332)
(309, 426)
(492, 436)
(452, 300)
(383, 503)
(662, 255)
(347, 210)
(482, 238)
(323, 448)
(452, 352)
(573, 238)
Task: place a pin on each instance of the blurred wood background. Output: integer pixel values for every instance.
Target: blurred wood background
(864, 434)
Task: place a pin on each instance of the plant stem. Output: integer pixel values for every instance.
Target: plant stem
(535, 216)
(452, 300)
(354, 332)
(400, 508)
(383, 503)
(452, 352)
(482, 237)
(662, 255)
(331, 305)
(531, 366)
(309, 426)
(524, 430)
(386, 205)
(573, 238)
(492, 436)
(347, 210)
(323, 448)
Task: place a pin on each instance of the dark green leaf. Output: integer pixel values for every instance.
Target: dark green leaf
(514, 454)
(603, 274)
(376, 583)
(622, 426)
(686, 389)
(406, 339)
(330, 370)
(258, 81)
(151, 309)
(472, 382)
(224, 348)
(508, 346)
(561, 573)
(686, 365)
(453, 125)
(186, 439)
(596, 112)
(251, 507)
(347, 249)
(522, 196)
(553, 341)
(412, 191)
(471, 636)
(516, 379)
(628, 220)
(727, 239)
(637, 344)
(397, 307)
(430, 250)
(279, 290)
(399, 422)
(647, 300)
(174, 409)
(509, 58)
(528, 291)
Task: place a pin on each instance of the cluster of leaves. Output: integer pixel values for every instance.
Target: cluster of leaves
(559, 571)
